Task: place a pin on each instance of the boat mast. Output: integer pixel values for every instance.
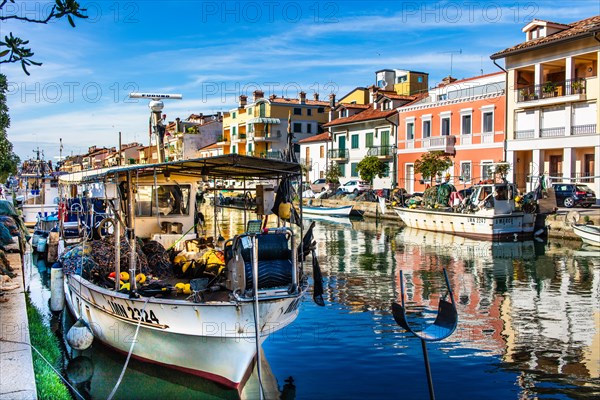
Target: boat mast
(156, 119)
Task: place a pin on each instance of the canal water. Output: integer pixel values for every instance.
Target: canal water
(529, 323)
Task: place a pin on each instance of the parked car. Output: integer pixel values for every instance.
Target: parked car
(355, 186)
(571, 194)
(319, 185)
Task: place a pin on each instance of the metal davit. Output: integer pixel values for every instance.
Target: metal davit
(443, 326)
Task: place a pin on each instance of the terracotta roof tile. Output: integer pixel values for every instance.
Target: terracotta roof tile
(285, 100)
(317, 138)
(366, 115)
(578, 28)
(351, 105)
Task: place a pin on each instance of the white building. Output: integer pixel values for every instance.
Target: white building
(313, 153)
(553, 97)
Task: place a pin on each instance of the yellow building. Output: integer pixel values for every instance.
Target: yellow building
(260, 128)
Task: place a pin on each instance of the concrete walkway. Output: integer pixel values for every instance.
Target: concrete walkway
(17, 380)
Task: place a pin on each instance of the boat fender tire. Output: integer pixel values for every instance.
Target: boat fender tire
(104, 226)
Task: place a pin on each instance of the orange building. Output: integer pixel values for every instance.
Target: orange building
(465, 119)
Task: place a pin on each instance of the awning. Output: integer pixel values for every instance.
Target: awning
(263, 120)
(229, 166)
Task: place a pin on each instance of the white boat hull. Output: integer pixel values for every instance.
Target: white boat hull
(588, 234)
(328, 211)
(477, 226)
(30, 212)
(214, 340)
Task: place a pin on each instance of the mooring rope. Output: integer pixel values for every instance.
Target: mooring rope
(133, 342)
(65, 380)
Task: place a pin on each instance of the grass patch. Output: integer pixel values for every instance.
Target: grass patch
(48, 383)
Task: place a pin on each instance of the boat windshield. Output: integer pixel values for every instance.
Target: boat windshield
(172, 200)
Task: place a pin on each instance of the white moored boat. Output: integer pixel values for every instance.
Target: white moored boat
(489, 213)
(589, 234)
(343, 211)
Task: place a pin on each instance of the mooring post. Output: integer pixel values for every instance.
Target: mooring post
(428, 369)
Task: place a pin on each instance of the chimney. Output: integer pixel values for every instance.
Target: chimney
(373, 95)
(316, 96)
(257, 94)
(272, 97)
(302, 97)
(91, 149)
(243, 100)
(331, 106)
(177, 124)
(447, 80)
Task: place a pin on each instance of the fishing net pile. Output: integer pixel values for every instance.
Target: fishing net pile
(438, 196)
(94, 260)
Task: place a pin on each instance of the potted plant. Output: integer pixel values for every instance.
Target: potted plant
(577, 86)
(524, 94)
(549, 89)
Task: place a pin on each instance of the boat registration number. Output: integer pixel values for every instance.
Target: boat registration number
(474, 220)
(134, 313)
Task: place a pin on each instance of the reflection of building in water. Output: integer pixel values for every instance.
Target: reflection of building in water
(556, 307)
(357, 264)
(541, 314)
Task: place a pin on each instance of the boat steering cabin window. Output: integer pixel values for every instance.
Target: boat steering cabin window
(172, 200)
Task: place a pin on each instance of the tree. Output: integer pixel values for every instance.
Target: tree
(432, 164)
(370, 167)
(8, 159)
(13, 49)
(333, 173)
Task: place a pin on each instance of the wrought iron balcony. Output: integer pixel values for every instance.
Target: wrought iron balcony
(338, 154)
(381, 151)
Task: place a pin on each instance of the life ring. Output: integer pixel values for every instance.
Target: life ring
(106, 227)
(76, 208)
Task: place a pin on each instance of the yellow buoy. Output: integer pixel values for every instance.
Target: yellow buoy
(179, 286)
(180, 259)
(140, 278)
(285, 210)
(124, 276)
(187, 289)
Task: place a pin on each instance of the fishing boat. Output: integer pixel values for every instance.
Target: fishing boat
(37, 191)
(589, 234)
(209, 329)
(489, 213)
(149, 282)
(343, 211)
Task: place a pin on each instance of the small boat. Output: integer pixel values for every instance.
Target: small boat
(489, 213)
(343, 211)
(589, 234)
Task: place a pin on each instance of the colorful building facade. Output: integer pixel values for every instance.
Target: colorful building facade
(464, 119)
(260, 128)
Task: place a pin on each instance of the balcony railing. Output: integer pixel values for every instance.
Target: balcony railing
(381, 151)
(338, 154)
(588, 129)
(552, 132)
(551, 89)
(274, 154)
(525, 134)
(443, 143)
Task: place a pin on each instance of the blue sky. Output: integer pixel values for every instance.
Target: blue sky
(212, 51)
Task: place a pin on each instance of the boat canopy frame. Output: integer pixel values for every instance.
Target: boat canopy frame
(228, 166)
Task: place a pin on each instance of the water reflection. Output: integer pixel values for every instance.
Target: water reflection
(529, 322)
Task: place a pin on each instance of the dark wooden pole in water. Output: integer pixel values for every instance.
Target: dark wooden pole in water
(427, 369)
